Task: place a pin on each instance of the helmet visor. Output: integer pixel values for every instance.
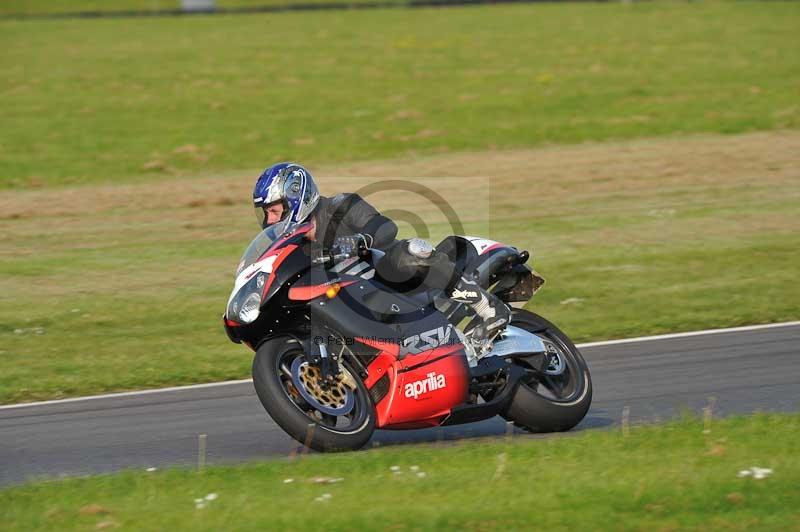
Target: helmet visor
(278, 229)
(261, 216)
(264, 211)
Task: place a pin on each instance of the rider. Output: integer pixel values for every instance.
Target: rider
(285, 193)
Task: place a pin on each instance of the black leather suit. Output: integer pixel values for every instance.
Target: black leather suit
(347, 214)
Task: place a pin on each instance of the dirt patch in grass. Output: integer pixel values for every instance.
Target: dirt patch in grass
(561, 174)
(597, 169)
(654, 181)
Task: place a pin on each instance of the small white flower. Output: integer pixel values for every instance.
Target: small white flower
(760, 472)
(200, 505)
(211, 496)
(151, 469)
(325, 480)
(395, 468)
(421, 474)
(414, 468)
(76, 310)
(756, 472)
(19, 331)
(199, 501)
(288, 480)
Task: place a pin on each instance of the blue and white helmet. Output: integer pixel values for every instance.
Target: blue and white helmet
(290, 184)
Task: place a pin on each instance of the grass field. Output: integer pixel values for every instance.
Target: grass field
(672, 477)
(125, 166)
(133, 99)
(49, 7)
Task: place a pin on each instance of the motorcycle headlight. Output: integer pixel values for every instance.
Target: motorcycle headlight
(244, 307)
(250, 308)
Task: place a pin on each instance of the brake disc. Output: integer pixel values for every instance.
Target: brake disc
(335, 399)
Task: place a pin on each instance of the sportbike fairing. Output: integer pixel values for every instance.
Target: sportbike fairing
(265, 239)
(414, 359)
(256, 272)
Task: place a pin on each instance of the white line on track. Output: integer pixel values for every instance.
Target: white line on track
(126, 394)
(693, 333)
(226, 383)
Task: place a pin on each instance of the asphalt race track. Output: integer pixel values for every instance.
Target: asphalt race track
(657, 378)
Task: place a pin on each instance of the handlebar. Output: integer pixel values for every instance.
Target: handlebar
(326, 258)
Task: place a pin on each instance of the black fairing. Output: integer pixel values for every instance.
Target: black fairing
(278, 313)
(278, 316)
(368, 309)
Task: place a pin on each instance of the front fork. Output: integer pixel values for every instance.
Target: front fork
(320, 357)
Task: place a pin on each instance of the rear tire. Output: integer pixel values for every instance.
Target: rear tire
(533, 409)
(294, 415)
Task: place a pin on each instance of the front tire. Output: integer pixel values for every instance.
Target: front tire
(292, 401)
(551, 403)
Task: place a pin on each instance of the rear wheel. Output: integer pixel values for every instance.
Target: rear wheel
(559, 397)
(334, 417)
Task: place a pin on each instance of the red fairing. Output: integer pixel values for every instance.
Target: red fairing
(422, 388)
(281, 253)
(389, 348)
(306, 293)
(299, 230)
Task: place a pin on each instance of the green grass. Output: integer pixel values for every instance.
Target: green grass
(132, 99)
(658, 477)
(49, 7)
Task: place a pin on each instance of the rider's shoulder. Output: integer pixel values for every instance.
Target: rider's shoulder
(346, 197)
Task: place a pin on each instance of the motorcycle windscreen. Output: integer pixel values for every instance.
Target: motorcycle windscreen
(265, 239)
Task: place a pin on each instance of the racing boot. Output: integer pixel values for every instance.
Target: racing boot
(494, 313)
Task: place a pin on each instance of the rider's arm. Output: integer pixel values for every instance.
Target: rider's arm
(361, 217)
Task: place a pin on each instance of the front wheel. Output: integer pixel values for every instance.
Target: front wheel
(559, 398)
(333, 417)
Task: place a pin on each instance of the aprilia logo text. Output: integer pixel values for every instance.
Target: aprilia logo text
(421, 387)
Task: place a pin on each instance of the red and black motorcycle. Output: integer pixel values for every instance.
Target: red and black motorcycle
(340, 351)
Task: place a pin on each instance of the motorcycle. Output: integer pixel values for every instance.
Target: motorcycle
(341, 351)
